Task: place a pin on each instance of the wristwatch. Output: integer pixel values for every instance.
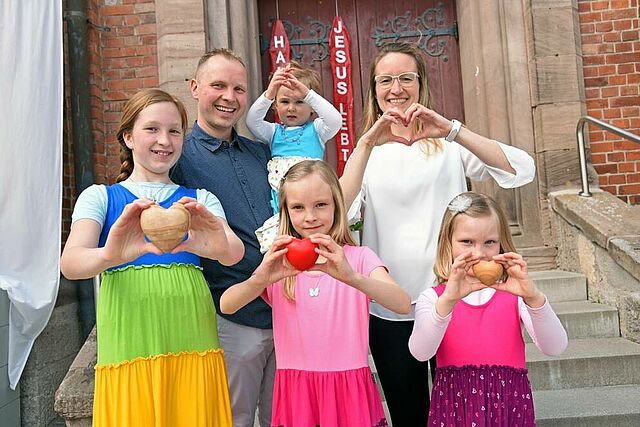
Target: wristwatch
(454, 131)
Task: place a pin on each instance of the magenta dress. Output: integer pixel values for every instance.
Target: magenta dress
(481, 376)
(321, 343)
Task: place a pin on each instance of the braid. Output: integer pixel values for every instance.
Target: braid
(126, 159)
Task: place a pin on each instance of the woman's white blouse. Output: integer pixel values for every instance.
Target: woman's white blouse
(404, 195)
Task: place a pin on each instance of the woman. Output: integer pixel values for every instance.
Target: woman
(409, 162)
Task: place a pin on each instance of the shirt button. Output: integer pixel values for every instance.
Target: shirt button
(244, 181)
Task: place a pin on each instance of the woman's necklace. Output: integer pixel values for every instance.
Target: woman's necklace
(296, 137)
(149, 190)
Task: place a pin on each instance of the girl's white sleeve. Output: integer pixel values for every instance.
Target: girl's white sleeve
(211, 202)
(544, 327)
(519, 160)
(260, 128)
(428, 328)
(329, 119)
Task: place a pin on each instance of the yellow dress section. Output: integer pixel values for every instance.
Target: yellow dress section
(188, 389)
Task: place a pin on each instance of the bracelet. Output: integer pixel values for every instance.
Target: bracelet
(454, 131)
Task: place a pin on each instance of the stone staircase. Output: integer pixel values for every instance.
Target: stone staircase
(596, 381)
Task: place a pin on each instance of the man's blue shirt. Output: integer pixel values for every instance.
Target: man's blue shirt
(236, 173)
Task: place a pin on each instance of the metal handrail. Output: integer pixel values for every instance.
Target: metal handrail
(583, 153)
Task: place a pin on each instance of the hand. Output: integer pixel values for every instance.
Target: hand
(296, 86)
(518, 283)
(336, 264)
(274, 266)
(280, 77)
(381, 133)
(460, 283)
(206, 235)
(433, 124)
(125, 241)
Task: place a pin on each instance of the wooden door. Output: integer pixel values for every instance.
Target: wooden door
(431, 24)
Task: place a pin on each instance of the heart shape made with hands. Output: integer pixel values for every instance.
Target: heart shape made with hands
(403, 118)
(301, 254)
(165, 228)
(488, 272)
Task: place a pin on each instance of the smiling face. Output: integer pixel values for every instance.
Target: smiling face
(396, 95)
(291, 109)
(310, 205)
(479, 235)
(155, 141)
(220, 87)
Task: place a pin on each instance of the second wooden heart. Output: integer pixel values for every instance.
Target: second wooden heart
(302, 254)
(165, 228)
(488, 272)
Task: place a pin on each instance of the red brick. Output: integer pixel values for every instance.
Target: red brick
(615, 157)
(633, 178)
(117, 10)
(601, 147)
(625, 68)
(618, 80)
(618, 179)
(622, 25)
(588, 38)
(594, 60)
(132, 20)
(606, 48)
(591, 93)
(598, 158)
(629, 189)
(620, 58)
(610, 189)
(596, 82)
(625, 145)
(604, 27)
(584, 6)
(625, 101)
(626, 167)
(623, 47)
(629, 90)
(606, 168)
(630, 111)
(611, 37)
(629, 35)
(607, 70)
(633, 78)
(596, 136)
(621, 123)
(614, 15)
(608, 92)
(632, 155)
(603, 180)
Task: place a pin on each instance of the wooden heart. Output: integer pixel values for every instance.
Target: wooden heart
(488, 272)
(165, 228)
(302, 254)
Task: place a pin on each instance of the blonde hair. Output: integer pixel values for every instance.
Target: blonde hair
(339, 230)
(130, 113)
(307, 76)
(372, 111)
(474, 205)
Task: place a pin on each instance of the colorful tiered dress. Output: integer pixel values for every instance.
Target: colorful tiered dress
(321, 341)
(481, 376)
(159, 361)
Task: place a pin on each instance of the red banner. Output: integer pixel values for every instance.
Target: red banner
(279, 48)
(340, 50)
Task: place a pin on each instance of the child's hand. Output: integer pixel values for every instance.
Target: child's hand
(273, 266)
(460, 284)
(518, 282)
(280, 77)
(296, 86)
(125, 241)
(206, 232)
(336, 265)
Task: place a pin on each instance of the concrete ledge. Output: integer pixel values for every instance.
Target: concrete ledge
(606, 221)
(74, 397)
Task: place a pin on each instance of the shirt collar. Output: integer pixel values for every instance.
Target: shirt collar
(212, 142)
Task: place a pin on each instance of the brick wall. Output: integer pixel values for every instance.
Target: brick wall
(122, 46)
(611, 58)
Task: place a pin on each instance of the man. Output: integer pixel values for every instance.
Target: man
(233, 168)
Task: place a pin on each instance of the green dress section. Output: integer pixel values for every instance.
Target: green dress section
(145, 311)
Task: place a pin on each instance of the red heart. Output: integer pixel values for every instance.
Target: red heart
(302, 254)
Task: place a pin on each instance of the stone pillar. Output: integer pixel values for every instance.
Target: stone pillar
(181, 43)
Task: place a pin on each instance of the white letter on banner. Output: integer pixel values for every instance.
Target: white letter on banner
(341, 56)
(341, 75)
(339, 42)
(344, 139)
(280, 59)
(278, 41)
(339, 29)
(341, 88)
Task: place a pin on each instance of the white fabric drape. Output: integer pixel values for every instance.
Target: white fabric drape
(31, 99)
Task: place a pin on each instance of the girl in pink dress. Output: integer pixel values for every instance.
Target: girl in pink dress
(474, 330)
(320, 316)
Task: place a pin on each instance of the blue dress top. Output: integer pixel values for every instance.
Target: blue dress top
(301, 141)
(118, 197)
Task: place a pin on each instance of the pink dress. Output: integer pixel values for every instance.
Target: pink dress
(481, 377)
(321, 343)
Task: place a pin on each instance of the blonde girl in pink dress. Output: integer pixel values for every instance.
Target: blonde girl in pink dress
(320, 316)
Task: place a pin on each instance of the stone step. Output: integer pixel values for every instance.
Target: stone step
(560, 285)
(594, 362)
(588, 407)
(584, 319)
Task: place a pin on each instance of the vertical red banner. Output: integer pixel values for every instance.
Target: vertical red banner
(340, 51)
(279, 50)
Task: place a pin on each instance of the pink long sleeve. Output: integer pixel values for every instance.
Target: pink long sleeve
(429, 327)
(544, 327)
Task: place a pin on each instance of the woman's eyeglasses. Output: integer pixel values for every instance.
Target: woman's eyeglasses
(405, 79)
